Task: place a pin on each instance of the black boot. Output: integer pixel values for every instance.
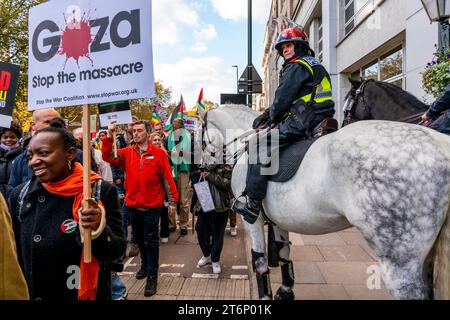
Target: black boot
(142, 273)
(150, 287)
(249, 209)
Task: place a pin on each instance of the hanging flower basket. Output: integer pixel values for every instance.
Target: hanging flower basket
(436, 76)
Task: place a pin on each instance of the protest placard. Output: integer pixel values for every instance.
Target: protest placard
(118, 112)
(9, 78)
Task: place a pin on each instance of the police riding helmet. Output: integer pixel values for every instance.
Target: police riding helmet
(295, 35)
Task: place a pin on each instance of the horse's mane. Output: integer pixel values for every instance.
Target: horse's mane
(400, 96)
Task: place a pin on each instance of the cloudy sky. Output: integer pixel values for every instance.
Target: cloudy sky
(196, 43)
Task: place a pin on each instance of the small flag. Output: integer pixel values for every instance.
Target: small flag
(176, 113)
(200, 102)
(155, 119)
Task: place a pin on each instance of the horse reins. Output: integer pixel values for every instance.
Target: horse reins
(249, 134)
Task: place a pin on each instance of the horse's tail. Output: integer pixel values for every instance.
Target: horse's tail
(441, 272)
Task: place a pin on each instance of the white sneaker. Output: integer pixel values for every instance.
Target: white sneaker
(233, 231)
(216, 267)
(203, 261)
(164, 240)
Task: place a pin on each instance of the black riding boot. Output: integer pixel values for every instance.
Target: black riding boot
(249, 209)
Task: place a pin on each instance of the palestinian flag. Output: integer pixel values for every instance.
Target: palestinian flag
(200, 102)
(176, 113)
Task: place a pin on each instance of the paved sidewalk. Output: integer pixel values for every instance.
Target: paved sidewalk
(179, 279)
(337, 266)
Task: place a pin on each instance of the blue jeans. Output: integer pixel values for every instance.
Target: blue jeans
(125, 215)
(125, 211)
(442, 124)
(146, 225)
(118, 289)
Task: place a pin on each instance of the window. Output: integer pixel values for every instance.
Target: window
(349, 15)
(355, 11)
(370, 72)
(391, 65)
(320, 40)
(388, 68)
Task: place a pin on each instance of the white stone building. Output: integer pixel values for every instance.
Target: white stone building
(388, 40)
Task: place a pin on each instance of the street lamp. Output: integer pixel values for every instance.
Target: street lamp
(237, 78)
(439, 10)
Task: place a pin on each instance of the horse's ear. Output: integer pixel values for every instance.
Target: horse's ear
(355, 83)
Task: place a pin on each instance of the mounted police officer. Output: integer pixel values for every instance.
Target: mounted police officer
(440, 109)
(303, 100)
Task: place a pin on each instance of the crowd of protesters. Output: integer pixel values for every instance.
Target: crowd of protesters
(142, 187)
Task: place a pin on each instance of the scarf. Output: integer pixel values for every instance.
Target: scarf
(9, 148)
(72, 186)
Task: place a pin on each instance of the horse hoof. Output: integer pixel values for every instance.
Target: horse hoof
(283, 294)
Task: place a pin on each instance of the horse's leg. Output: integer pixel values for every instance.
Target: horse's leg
(404, 282)
(259, 261)
(281, 238)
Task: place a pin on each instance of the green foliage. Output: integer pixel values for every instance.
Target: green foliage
(14, 49)
(436, 76)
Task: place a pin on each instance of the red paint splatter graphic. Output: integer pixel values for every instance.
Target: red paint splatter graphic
(76, 39)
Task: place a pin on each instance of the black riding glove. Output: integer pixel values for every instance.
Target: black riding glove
(261, 121)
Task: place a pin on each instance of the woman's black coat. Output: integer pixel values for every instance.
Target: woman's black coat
(49, 257)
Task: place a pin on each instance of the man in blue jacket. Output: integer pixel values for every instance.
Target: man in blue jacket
(20, 172)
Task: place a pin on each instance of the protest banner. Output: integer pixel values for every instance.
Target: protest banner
(87, 52)
(9, 78)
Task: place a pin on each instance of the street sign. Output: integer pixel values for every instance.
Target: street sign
(226, 98)
(255, 83)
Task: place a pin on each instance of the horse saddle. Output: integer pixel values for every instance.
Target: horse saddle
(327, 126)
(290, 157)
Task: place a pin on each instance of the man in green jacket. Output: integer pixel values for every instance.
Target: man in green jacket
(179, 147)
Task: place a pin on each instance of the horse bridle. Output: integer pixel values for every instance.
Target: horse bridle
(349, 111)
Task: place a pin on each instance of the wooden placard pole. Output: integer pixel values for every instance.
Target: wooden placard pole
(115, 144)
(87, 252)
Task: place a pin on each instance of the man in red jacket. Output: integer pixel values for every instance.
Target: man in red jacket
(148, 180)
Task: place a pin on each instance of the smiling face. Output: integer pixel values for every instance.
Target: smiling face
(47, 157)
(9, 138)
(156, 140)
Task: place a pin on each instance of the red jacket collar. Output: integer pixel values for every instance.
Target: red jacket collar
(149, 148)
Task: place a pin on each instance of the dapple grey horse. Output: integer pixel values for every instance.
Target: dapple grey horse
(390, 180)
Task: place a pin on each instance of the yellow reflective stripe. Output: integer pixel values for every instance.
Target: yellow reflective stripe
(326, 85)
(306, 65)
(320, 100)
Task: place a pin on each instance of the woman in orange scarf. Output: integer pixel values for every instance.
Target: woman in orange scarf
(48, 218)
